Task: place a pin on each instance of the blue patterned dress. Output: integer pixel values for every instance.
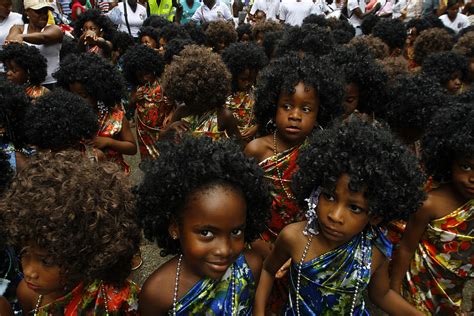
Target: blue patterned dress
(214, 297)
(328, 282)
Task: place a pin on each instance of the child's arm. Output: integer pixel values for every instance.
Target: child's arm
(227, 121)
(255, 263)
(381, 294)
(414, 230)
(125, 144)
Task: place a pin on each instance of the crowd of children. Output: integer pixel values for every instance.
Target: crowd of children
(287, 170)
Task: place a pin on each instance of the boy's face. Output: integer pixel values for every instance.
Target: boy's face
(15, 73)
(463, 177)
(148, 41)
(453, 11)
(454, 84)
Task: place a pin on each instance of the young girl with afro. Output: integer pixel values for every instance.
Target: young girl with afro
(449, 69)
(25, 66)
(294, 96)
(220, 34)
(202, 201)
(94, 32)
(434, 260)
(351, 178)
(150, 37)
(142, 68)
(465, 47)
(200, 80)
(75, 225)
(244, 61)
(101, 85)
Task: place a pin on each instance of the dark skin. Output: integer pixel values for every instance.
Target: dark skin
(93, 36)
(358, 12)
(5, 308)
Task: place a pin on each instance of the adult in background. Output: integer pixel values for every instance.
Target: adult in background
(293, 12)
(212, 10)
(36, 32)
(164, 8)
(270, 7)
(129, 16)
(7, 19)
(453, 19)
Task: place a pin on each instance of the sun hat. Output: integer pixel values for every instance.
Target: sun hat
(36, 4)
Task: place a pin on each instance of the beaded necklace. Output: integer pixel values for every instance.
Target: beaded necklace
(275, 159)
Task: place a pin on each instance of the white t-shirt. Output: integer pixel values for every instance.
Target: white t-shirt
(293, 12)
(135, 19)
(219, 11)
(461, 21)
(5, 25)
(351, 6)
(270, 7)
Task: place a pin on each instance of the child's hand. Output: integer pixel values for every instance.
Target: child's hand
(283, 270)
(101, 142)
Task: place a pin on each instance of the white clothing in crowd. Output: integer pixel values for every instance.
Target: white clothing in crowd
(135, 19)
(270, 7)
(461, 21)
(5, 25)
(293, 12)
(219, 11)
(354, 19)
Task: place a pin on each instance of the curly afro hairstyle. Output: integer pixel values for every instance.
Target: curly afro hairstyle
(95, 16)
(156, 21)
(241, 56)
(28, 58)
(412, 101)
(265, 27)
(13, 105)
(172, 31)
(68, 47)
(441, 66)
(6, 175)
(142, 59)
(394, 67)
(197, 77)
(431, 41)
(343, 25)
(309, 38)
(420, 24)
(387, 172)
(150, 32)
(465, 45)
(196, 33)
(319, 20)
(220, 32)
(449, 135)
(362, 70)
(121, 42)
(282, 75)
(174, 47)
(60, 120)
(368, 24)
(271, 42)
(244, 29)
(392, 32)
(82, 213)
(100, 79)
(193, 165)
(370, 44)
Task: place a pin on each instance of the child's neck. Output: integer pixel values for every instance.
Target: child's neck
(280, 144)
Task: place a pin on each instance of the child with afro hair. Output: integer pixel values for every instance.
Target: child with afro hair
(434, 260)
(374, 45)
(25, 66)
(393, 33)
(431, 41)
(177, 206)
(94, 32)
(149, 36)
(447, 68)
(259, 30)
(465, 47)
(342, 182)
(170, 32)
(244, 33)
(121, 42)
(101, 85)
(244, 61)
(220, 34)
(174, 47)
(199, 78)
(75, 225)
(143, 67)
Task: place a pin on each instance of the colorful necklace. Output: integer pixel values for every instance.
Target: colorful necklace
(275, 159)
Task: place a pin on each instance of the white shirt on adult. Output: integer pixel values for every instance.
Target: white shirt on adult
(351, 6)
(5, 25)
(293, 12)
(461, 21)
(270, 7)
(219, 11)
(135, 19)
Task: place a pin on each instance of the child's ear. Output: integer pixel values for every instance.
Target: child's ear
(375, 220)
(173, 230)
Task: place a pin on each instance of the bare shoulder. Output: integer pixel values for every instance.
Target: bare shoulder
(292, 235)
(254, 260)
(378, 259)
(439, 203)
(260, 148)
(5, 308)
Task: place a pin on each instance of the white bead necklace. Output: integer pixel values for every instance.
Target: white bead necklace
(275, 159)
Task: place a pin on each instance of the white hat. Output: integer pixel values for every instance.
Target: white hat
(36, 4)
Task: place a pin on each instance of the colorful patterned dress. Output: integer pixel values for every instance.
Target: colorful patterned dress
(442, 263)
(328, 282)
(152, 114)
(36, 91)
(90, 300)
(110, 125)
(205, 125)
(241, 104)
(214, 297)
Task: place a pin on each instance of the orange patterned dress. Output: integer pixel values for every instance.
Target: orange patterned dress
(241, 105)
(205, 125)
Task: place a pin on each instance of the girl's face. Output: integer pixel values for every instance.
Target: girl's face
(463, 177)
(15, 73)
(90, 26)
(352, 98)
(79, 89)
(144, 77)
(297, 114)
(246, 79)
(454, 84)
(342, 213)
(148, 41)
(211, 230)
(41, 274)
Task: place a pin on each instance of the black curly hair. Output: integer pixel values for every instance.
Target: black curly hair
(242, 30)
(343, 25)
(150, 32)
(172, 31)
(82, 213)
(174, 47)
(309, 39)
(95, 16)
(28, 58)
(220, 32)
(196, 33)
(394, 67)
(431, 41)
(265, 27)
(13, 105)
(448, 136)
(284, 73)
(197, 77)
(193, 165)
(6, 175)
(156, 21)
(60, 120)
(319, 20)
(271, 42)
(420, 24)
(69, 46)
(392, 32)
(121, 42)
(465, 45)
(375, 161)
(100, 79)
(368, 23)
(369, 44)
(241, 56)
(142, 59)
(362, 70)
(441, 66)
